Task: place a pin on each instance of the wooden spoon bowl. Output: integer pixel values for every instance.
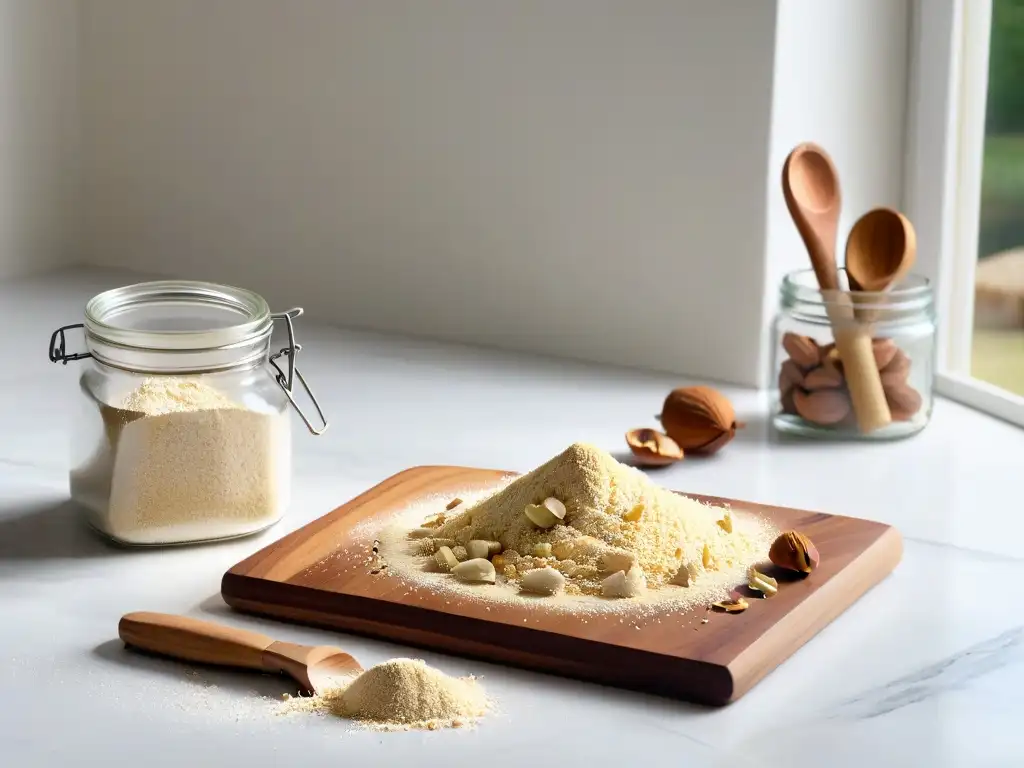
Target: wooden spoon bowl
(880, 250)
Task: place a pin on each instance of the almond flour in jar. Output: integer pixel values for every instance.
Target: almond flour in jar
(184, 462)
(182, 432)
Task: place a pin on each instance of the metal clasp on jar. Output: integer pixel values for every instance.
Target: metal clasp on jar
(287, 381)
(285, 378)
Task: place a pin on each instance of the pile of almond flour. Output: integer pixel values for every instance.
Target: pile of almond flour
(683, 550)
(400, 694)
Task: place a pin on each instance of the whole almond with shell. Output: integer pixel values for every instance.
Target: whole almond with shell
(802, 350)
(700, 419)
(794, 551)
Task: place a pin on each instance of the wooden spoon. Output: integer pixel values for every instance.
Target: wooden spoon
(810, 184)
(315, 668)
(880, 250)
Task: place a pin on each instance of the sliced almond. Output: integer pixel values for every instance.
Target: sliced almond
(547, 514)
(562, 549)
(634, 515)
(543, 581)
(617, 560)
(732, 605)
(726, 522)
(445, 559)
(686, 575)
(540, 516)
(477, 548)
(555, 507)
(476, 570)
(629, 583)
(766, 585)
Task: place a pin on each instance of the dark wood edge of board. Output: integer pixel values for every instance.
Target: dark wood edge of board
(524, 647)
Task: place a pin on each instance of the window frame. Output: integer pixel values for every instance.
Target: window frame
(945, 134)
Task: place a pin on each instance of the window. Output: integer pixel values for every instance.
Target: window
(964, 189)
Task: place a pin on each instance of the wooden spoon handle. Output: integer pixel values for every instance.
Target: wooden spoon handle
(194, 640)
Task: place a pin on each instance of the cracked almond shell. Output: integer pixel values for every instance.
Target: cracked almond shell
(652, 448)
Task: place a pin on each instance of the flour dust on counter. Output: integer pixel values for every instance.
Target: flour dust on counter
(580, 533)
(400, 694)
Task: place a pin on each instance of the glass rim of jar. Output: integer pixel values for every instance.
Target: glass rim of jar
(255, 323)
(912, 294)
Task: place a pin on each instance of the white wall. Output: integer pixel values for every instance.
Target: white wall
(38, 134)
(591, 178)
(580, 177)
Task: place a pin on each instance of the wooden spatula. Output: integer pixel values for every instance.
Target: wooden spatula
(315, 668)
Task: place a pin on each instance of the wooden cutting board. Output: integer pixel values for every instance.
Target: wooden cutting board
(320, 575)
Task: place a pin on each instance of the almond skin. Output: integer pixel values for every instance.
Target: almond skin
(885, 350)
(802, 350)
(653, 449)
(904, 401)
(788, 403)
(897, 370)
(790, 376)
(825, 376)
(700, 419)
(825, 406)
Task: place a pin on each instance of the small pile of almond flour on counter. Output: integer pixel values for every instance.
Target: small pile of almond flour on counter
(616, 519)
(400, 694)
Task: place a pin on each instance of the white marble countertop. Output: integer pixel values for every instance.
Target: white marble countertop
(924, 670)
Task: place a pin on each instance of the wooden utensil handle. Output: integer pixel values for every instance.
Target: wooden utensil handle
(853, 343)
(194, 640)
